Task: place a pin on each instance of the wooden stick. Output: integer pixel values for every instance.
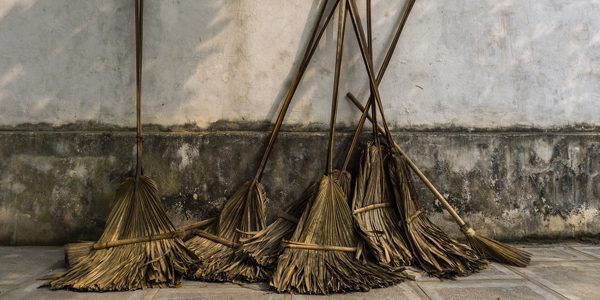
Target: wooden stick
(415, 168)
(306, 246)
(216, 238)
(168, 235)
(371, 207)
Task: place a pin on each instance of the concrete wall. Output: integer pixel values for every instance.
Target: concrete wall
(459, 63)
(499, 101)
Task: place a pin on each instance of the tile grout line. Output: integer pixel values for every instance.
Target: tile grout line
(422, 290)
(583, 253)
(539, 284)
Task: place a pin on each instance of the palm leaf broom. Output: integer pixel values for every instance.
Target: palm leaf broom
(137, 212)
(484, 246)
(376, 217)
(264, 246)
(319, 258)
(434, 245)
(245, 213)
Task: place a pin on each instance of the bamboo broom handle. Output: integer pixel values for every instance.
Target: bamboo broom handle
(163, 236)
(360, 36)
(416, 169)
(139, 18)
(336, 84)
(383, 68)
(309, 52)
(196, 224)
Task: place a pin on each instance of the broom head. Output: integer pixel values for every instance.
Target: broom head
(244, 213)
(74, 252)
(375, 215)
(433, 250)
(137, 212)
(496, 251)
(319, 258)
(264, 247)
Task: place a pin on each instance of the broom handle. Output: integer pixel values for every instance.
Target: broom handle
(360, 36)
(310, 50)
(383, 68)
(416, 169)
(139, 7)
(336, 84)
(163, 236)
(370, 48)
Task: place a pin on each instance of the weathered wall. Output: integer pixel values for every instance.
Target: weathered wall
(463, 63)
(499, 102)
(57, 187)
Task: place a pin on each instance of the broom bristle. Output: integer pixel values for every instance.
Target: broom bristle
(74, 252)
(345, 180)
(496, 251)
(433, 250)
(137, 213)
(243, 213)
(265, 246)
(327, 222)
(378, 223)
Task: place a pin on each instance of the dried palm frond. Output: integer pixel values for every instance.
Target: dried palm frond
(433, 250)
(496, 251)
(159, 263)
(243, 213)
(374, 211)
(75, 251)
(319, 258)
(137, 214)
(265, 246)
(486, 247)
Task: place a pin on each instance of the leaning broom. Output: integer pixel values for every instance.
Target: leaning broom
(137, 214)
(265, 246)
(435, 252)
(245, 212)
(320, 256)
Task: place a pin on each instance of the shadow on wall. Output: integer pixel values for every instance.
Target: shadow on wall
(57, 57)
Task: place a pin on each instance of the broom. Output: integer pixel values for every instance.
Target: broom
(264, 246)
(371, 204)
(137, 213)
(244, 212)
(484, 246)
(463, 262)
(319, 258)
(432, 249)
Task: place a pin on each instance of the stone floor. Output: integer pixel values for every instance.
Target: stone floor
(558, 271)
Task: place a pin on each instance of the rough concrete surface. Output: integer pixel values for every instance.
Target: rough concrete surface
(562, 271)
(57, 187)
(498, 101)
(485, 63)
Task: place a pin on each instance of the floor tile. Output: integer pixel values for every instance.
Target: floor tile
(20, 264)
(216, 291)
(494, 271)
(590, 250)
(33, 291)
(400, 291)
(485, 289)
(574, 280)
(556, 254)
